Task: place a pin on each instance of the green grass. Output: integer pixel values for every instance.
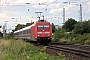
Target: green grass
(21, 50)
(76, 39)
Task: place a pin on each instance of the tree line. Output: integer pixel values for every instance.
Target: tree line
(77, 27)
(73, 32)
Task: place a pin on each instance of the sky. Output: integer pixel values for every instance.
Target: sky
(13, 12)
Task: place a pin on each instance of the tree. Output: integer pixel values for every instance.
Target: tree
(82, 27)
(19, 26)
(69, 25)
(0, 26)
(53, 28)
(1, 34)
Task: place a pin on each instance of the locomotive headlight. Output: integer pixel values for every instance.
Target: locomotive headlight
(43, 30)
(47, 32)
(38, 35)
(39, 32)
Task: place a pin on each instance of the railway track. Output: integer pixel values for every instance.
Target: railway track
(73, 52)
(72, 46)
(70, 50)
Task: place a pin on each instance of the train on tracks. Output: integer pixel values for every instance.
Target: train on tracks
(39, 32)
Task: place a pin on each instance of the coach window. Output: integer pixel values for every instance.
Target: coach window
(15, 34)
(40, 27)
(18, 33)
(46, 27)
(24, 32)
(28, 31)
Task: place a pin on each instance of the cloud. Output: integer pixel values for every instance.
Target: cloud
(56, 11)
(47, 1)
(88, 11)
(54, 5)
(39, 6)
(4, 15)
(18, 8)
(33, 1)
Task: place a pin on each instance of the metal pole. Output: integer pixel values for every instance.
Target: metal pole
(63, 15)
(80, 13)
(4, 30)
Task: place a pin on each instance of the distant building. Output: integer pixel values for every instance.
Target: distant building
(58, 26)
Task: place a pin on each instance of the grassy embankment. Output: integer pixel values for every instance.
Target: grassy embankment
(20, 50)
(61, 36)
(77, 39)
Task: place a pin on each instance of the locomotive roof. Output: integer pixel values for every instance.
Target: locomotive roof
(24, 28)
(28, 27)
(42, 21)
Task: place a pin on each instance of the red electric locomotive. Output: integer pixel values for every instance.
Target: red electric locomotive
(40, 31)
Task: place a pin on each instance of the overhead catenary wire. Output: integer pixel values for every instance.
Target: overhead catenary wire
(48, 4)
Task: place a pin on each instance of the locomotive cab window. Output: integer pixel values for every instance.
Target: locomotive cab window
(40, 27)
(46, 27)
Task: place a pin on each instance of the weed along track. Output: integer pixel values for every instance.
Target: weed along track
(73, 52)
(21, 50)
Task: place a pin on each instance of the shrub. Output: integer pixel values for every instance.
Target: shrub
(87, 42)
(58, 34)
(8, 37)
